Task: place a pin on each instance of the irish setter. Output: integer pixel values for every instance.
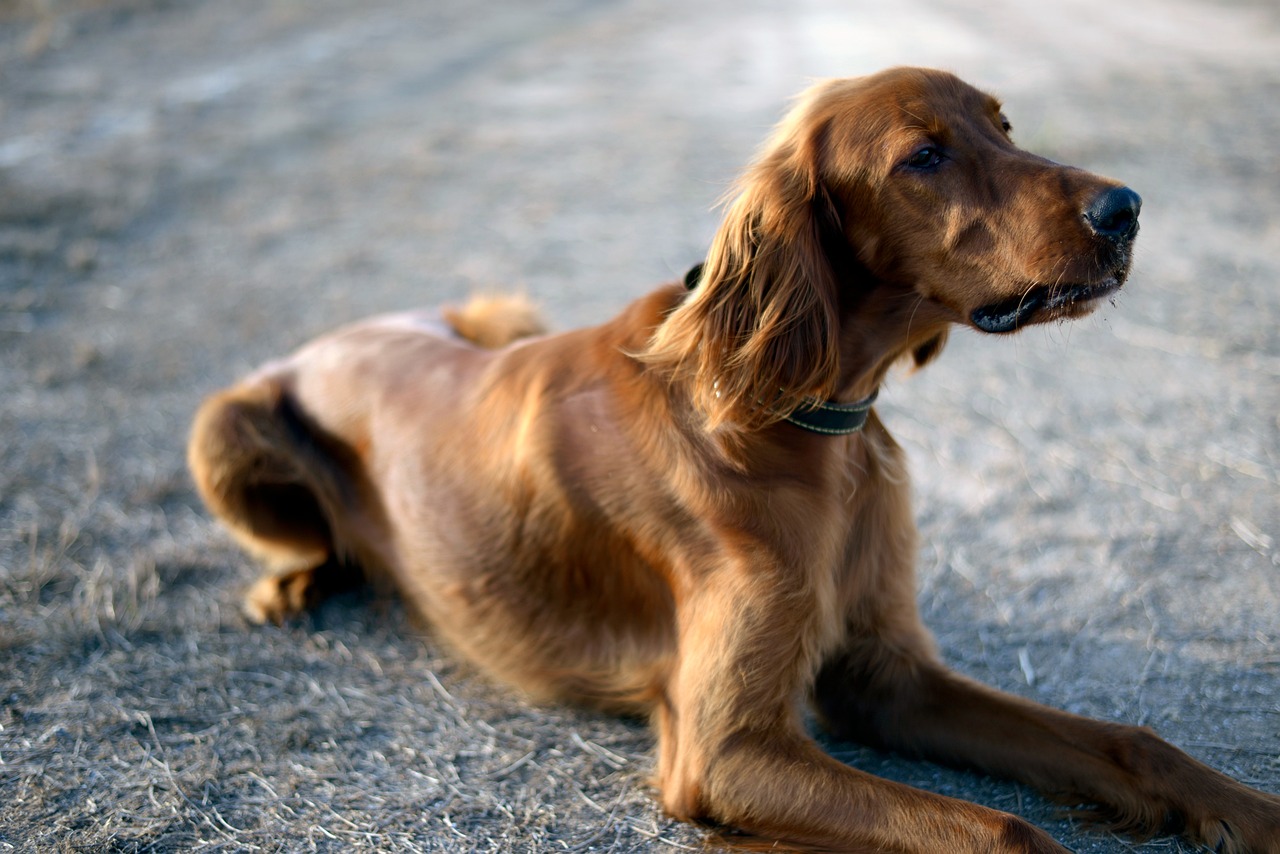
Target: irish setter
(693, 512)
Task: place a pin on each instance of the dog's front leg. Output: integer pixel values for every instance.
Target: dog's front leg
(872, 692)
(733, 751)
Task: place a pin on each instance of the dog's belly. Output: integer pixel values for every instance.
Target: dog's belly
(601, 633)
(558, 604)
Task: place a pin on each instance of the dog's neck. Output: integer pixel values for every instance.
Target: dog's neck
(880, 324)
(880, 321)
(846, 413)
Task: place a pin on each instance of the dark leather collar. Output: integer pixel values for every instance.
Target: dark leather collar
(832, 418)
(828, 417)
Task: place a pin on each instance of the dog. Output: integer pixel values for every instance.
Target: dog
(693, 512)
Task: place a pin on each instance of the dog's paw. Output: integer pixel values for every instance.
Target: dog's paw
(1232, 820)
(276, 598)
(1255, 829)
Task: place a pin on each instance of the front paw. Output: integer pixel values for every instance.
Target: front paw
(1250, 826)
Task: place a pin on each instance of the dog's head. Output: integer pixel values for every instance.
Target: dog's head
(934, 195)
(885, 199)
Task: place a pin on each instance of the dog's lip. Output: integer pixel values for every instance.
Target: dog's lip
(1011, 314)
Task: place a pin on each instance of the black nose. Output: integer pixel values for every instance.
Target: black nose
(1114, 214)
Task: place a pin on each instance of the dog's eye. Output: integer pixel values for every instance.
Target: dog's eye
(1004, 123)
(926, 158)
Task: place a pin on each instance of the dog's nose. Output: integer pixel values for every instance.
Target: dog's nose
(1114, 214)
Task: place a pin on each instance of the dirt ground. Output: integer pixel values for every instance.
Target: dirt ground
(188, 187)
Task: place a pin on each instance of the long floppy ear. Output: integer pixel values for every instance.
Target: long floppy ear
(759, 333)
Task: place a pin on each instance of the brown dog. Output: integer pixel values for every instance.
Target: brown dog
(658, 513)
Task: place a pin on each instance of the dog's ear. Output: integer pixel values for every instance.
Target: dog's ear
(925, 353)
(758, 334)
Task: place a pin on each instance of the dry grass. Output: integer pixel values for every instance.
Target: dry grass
(149, 717)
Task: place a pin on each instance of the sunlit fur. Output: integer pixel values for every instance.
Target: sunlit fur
(617, 515)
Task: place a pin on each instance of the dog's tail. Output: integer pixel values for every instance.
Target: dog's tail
(269, 475)
(493, 322)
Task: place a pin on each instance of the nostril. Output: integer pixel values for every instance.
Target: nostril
(1115, 213)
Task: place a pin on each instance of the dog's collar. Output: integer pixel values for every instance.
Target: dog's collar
(832, 418)
(819, 416)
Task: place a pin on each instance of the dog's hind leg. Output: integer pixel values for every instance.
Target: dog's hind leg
(259, 468)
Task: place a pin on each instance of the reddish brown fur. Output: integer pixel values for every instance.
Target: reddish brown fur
(617, 515)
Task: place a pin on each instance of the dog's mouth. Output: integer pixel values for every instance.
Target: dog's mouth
(1044, 302)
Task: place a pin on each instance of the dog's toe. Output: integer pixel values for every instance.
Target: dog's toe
(274, 599)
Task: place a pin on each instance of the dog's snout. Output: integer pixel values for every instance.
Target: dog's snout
(1114, 213)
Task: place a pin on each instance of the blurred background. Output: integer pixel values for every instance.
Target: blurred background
(188, 187)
